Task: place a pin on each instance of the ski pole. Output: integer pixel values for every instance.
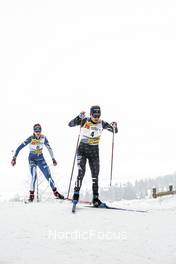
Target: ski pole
(74, 162)
(112, 157)
(37, 190)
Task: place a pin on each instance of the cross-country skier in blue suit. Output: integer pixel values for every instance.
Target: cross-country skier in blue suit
(36, 158)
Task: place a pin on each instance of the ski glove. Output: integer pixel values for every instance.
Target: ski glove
(54, 162)
(13, 162)
(114, 125)
(82, 115)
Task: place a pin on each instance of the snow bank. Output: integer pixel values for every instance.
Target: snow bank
(161, 203)
(47, 232)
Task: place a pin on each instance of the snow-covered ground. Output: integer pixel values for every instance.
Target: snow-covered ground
(47, 232)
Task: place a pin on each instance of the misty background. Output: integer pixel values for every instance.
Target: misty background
(60, 57)
(140, 189)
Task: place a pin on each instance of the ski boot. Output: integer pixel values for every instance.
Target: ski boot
(75, 201)
(57, 194)
(31, 196)
(75, 198)
(97, 203)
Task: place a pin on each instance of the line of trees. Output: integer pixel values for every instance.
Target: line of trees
(128, 191)
(139, 190)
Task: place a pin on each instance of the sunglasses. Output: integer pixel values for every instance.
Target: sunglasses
(96, 115)
(37, 130)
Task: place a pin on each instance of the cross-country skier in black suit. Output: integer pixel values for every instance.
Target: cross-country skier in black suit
(88, 149)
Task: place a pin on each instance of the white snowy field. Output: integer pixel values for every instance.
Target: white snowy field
(47, 232)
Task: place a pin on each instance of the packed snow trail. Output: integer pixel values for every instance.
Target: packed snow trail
(49, 233)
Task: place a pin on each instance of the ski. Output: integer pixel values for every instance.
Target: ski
(117, 208)
(27, 202)
(80, 201)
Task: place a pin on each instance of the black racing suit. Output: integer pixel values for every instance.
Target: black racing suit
(89, 149)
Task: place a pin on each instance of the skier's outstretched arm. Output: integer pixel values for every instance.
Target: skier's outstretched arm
(24, 144)
(50, 151)
(77, 120)
(110, 127)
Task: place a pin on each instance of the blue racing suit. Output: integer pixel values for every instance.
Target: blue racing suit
(36, 158)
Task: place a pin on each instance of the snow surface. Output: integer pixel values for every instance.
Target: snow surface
(47, 232)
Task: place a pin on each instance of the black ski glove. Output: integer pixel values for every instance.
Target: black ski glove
(54, 162)
(114, 125)
(13, 161)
